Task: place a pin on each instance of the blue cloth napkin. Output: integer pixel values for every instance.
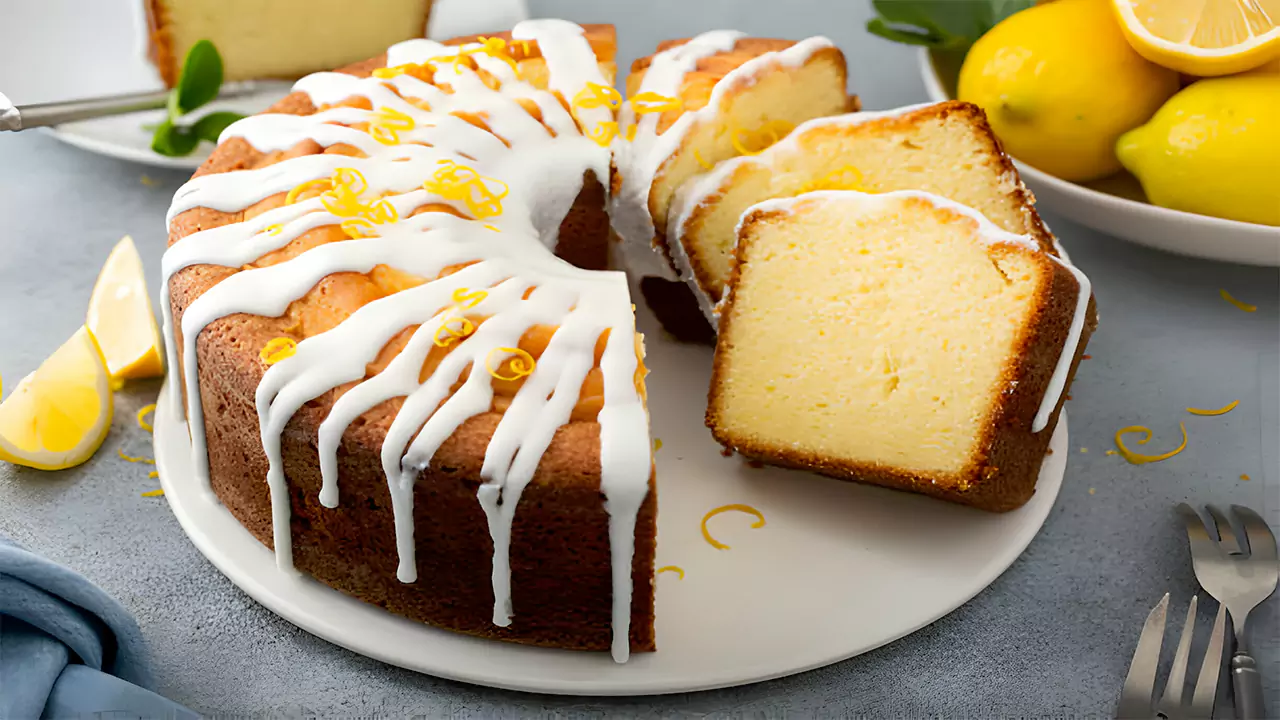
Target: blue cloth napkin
(67, 649)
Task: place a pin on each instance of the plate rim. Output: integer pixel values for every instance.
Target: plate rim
(170, 439)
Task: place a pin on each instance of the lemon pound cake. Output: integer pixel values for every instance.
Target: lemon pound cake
(899, 339)
(699, 101)
(392, 376)
(945, 148)
(278, 38)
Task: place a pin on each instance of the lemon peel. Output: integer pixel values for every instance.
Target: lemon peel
(1242, 305)
(1140, 459)
(153, 493)
(135, 458)
(520, 365)
(736, 507)
(1219, 411)
(278, 349)
(142, 417)
(671, 568)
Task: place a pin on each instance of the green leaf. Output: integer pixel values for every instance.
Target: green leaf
(174, 141)
(940, 24)
(200, 79)
(211, 126)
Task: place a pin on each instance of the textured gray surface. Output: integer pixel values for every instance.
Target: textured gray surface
(1051, 637)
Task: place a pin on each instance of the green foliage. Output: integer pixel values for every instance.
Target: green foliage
(197, 85)
(940, 24)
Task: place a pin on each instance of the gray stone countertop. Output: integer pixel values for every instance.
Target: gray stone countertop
(1051, 637)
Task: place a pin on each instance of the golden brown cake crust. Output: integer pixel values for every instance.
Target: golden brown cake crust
(1002, 476)
(560, 557)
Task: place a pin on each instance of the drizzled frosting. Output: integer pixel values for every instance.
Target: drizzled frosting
(640, 160)
(988, 233)
(508, 256)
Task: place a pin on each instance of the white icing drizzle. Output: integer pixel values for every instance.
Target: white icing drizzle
(543, 164)
(638, 162)
(989, 233)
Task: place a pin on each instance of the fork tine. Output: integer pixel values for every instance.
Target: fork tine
(1206, 691)
(1201, 544)
(1140, 683)
(1262, 543)
(1226, 533)
(1175, 687)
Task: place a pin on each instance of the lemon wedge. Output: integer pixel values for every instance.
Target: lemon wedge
(1203, 37)
(121, 318)
(60, 414)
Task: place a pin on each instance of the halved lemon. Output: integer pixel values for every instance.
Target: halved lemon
(58, 416)
(121, 318)
(1203, 37)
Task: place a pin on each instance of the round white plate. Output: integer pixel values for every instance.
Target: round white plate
(839, 568)
(1132, 219)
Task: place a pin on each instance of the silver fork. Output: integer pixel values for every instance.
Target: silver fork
(1239, 575)
(1140, 684)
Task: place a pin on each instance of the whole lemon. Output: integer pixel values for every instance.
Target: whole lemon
(1213, 149)
(1060, 83)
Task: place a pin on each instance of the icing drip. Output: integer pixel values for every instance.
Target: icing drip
(412, 133)
(988, 233)
(639, 161)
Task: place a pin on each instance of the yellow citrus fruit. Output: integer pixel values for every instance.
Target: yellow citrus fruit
(1201, 37)
(121, 318)
(1059, 84)
(1213, 149)
(59, 415)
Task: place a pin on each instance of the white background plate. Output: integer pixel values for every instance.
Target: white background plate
(1173, 231)
(838, 570)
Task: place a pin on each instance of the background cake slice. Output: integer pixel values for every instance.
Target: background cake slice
(279, 38)
(945, 148)
(898, 339)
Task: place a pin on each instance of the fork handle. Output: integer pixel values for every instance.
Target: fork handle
(1246, 684)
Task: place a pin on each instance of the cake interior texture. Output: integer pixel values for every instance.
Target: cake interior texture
(873, 334)
(281, 38)
(944, 149)
(781, 99)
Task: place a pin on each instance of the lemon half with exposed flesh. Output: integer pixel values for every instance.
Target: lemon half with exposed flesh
(121, 317)
(58, 416)
(1203, 37)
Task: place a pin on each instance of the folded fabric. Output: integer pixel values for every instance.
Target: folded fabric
(67, 649)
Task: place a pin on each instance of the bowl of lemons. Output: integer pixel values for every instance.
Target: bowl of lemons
(1155, 121)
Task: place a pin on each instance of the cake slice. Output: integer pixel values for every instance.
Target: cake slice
(699, 101)
(898, 339)
(278, 38)
(946, 148)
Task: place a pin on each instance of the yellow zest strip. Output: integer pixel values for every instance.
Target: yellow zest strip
(386, 73)
(1242, 305)
(603, 133)
(487, 226)
(706, 535)
(278, 349)
(652, 102)
(387, 124)
(446, 335)
(1220, 411)
(153, 474)
(461, 182)
(153, 493)
(520, 365)
(273, 229)
(631, 132)
(142, 417)
(672, 568)
(1139, 459)
(1244, 477)
(292, 197)
(468, 299)
(765, 135)
(595, 95)
(134, 459)
(705, 165)
(657, 444)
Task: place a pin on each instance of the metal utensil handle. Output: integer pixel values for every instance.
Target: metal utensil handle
(56, 113)
(1246, 684)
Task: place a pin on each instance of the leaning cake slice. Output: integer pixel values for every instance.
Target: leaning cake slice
(899, 339)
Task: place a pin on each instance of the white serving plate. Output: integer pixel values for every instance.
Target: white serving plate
(1134, 220)
(838, 570)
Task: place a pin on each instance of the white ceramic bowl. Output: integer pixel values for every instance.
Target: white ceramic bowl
(1134, 220)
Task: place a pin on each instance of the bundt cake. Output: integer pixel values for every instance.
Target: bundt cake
(699, 101)
(279, 38)
(945, 148)
(372, 304)
(900, 339)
